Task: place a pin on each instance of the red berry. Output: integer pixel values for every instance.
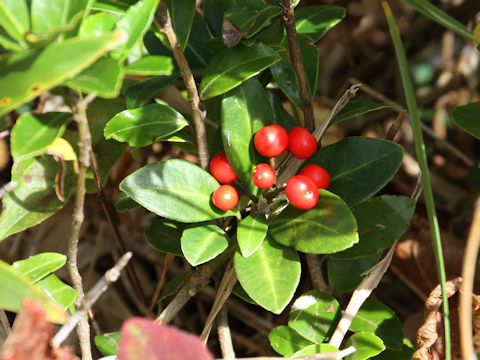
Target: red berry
(264, 176)
(271, 140)
(301, 143)
(225, 197)
(221, 169)
(318, 174)
(301, 192)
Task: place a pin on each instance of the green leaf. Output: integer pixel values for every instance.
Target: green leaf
(230, 67)
(381, 221)
(103, 78)
(50, 15)
(280, 115)
(315, 315)
(466, 117)
(315, 349)
(345, 275)
(182, 13)
(269, 276)
(251, 232)
(16, 287)
(23, 76)
(242, 294)
(33, 133)
(175, 189)
(98, 24)
(151, 65)
(107, 343)
(14, 18)
(327, 228)
(358, 107)
(359, 166)
(286, 341)
(138, 94)
(124, 203)
(377, 318)
(38, 266)
(172, 287)
(214, 11)
(145, 125)
(284, 73)
(243, 114)
(34, 199)
(197, 53)
(429, 10)
(406, 353)
(164, 235)
(58, 291)
(315, 21)
(136, 22)
(202, 242)
(366, 345)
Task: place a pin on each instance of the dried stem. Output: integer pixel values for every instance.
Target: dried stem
(198, 110)
(80, 117)
(92, 296)
(392, 131)
(168, 260)
(5, 323)
(296, 60)
(468, 275)
(224, 335)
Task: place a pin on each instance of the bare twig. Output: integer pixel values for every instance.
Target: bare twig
(80, 117)
(92, 296)
(392, 131)
(224, 335)
(333, 355)
(468, 275)
(5, 323)
(314, 266)
(8, 187)
(198, 110)
(168, 260)
(296, 59)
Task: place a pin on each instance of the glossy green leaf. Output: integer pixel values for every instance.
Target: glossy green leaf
(145, 125)
(214, 11)
(284, 73)
(124, 203)
(34, 199)
(58, 291)
(314, 349)
(49, 15)
(346, 275)
(137, 95)
(315, 21)
(240, 292)
(136, 22)
(315, 315)
(7, 42)
(405, 353)
(202, 242)
(182, 13)
(379, 319)
(197, 53)
(175, 189)
(98, 24)
(23, 76)
(172, 287)
(107, 343)
(230, 67)
(113, 6)
(466, 117)
(251, 232)
(14, 18)
(358, 107)
(15, 287)
(286, 341)
(243, 114)
(280, 115)
(431, 11)
(327, 228)
(381, 221)
(103, 78)
(366, 345)
(38, 266)
(151, 65)
(33, 133)
(270, 276)
(164, 235)
(359, 166)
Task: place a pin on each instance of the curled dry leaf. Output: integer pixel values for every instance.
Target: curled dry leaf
(31, 337)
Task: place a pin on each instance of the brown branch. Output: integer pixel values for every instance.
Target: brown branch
(5, 323)
(224, 335)
(296, 60)
(84, 145)
(392, 131)
(168, 260)
(198, 110)
(314, 265)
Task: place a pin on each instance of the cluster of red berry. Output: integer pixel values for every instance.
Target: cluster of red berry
(301, 190)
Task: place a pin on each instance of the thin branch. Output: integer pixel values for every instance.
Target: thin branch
(466, 290)
(314, 266)
(224, 335)
(80, 117)
(393, 130)
(333, 355)
(297, 62)
(5, 323)
(198, 110)
(168, 260)
(92, 296)
(8, 187)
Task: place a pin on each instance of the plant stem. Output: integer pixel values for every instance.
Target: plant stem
(198, 110)
(224, 335)
(422, 161)
(296, 59)
(5, 323)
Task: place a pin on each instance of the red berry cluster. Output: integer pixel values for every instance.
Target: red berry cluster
(301, 190)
